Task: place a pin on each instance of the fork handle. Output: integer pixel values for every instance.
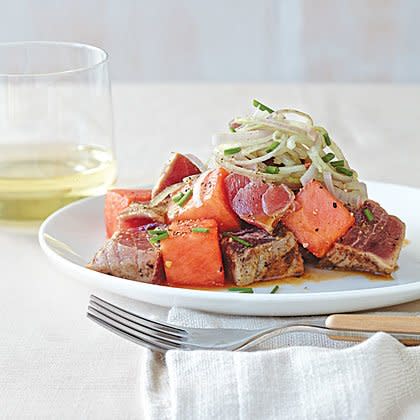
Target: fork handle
(365, 322)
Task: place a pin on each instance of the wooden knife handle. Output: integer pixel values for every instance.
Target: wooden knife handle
(364, 322)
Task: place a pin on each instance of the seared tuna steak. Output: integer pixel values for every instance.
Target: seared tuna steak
(372, 244)
(179, 167)
(130, 255)
(258, 203)
(144, 211)
(254, 255)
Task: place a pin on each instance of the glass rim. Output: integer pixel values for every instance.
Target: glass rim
(104, 58)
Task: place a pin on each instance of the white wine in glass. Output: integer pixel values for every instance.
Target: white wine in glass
(56, 128)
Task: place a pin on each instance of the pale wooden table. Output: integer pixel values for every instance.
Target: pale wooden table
(54, 363)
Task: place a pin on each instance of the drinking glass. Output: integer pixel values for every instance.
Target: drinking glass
(56, 127)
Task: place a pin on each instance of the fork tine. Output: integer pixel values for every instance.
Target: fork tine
(124, 334)
(145, 330)
(134, 329)
(159, 325)
(125, 327)
(109, 309)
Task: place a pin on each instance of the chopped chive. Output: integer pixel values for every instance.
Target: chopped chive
(236, 239)
(327, 139)
(368, 214)
(231, 151)
(241, 289)
(184, 198)
(272, 146)
(241, 241)
(328, 157)
(232, 129)
(199, 230)
(272, 169)
(344, 171)
(261, 106)
(178, 197)
(157, 238)
(325, 134)
(274, 289)
(337, 163)
(156, 231)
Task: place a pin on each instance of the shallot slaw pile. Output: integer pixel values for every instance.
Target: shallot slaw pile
(285, 147)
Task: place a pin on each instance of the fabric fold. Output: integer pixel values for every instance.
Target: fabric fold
(297, 377)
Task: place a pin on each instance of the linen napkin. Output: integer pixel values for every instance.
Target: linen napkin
(298, 376)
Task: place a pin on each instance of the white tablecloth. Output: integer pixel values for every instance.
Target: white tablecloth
(297, 376)
(54, 363)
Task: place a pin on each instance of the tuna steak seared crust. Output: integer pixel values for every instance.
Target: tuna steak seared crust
(130, 255)
(370, 245)
(270, 257)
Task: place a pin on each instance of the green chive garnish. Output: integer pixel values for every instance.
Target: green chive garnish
(231, 151)
(328, 157)
(261, 106)
(187, 195)
(272, 146)
(368, 214)
(159, 237)
(178, 197)
(156, 232)
(337, 163)
(241, 241)
(344, 170)
(272, 170)
(199, 230)
(241, 289)
(232, 129)
(274, 289)
(325, 134)
(327, 139)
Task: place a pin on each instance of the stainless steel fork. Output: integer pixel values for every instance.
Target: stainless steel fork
(161, 336)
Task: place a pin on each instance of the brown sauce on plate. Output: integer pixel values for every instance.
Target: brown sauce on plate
(312, 274)
(315, 275)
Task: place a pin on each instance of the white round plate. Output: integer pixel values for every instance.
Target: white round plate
(72, 235)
